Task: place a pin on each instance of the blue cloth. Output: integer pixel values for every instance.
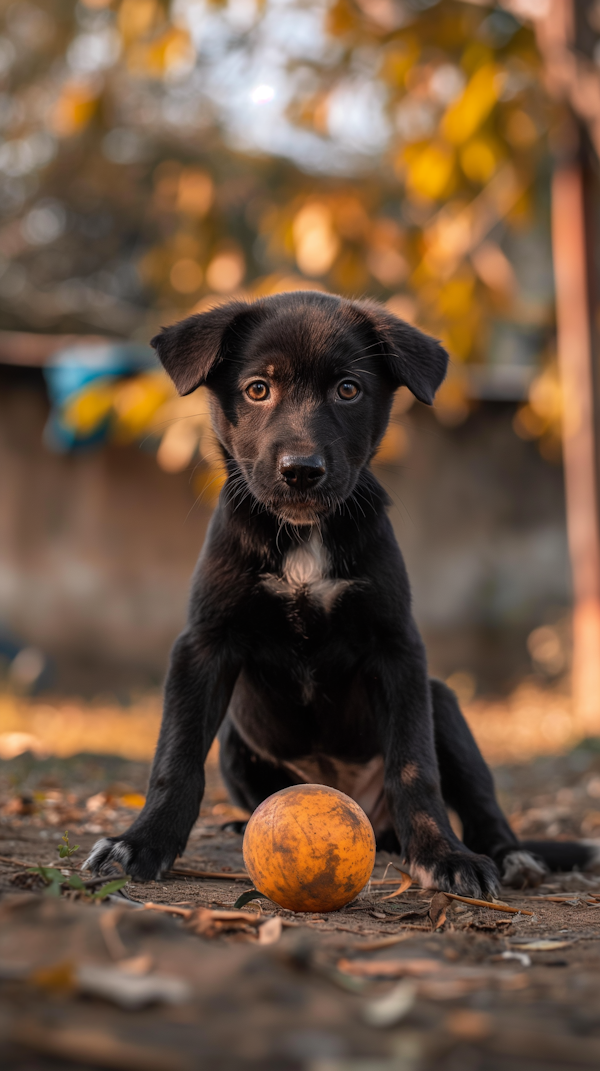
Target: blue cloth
(71, 369)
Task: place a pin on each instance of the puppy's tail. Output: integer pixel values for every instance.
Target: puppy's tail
(534, 859)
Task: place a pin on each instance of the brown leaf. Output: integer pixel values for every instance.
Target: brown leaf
(388, 968)
(404, 885)
(469, 1025)
(438, 909)
(270, 931)
(209, 923)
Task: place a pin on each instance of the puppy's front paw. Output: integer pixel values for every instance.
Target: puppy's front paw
(462, 873)
(133, 855)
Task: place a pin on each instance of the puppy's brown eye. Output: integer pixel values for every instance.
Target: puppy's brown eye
(258, 391)
(348, 390)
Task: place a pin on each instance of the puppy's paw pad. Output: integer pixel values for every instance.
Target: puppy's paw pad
(522, 869)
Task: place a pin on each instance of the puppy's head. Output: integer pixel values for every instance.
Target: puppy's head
(301, 388)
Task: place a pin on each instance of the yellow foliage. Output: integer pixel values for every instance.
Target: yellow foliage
(394, 446)
(479, 159)
(546, 396)
(226, 271)
(135, 800)
(74, 108)
(463, 157)
(461, 336)
(475, 55)
(494, 268)
(464, 117)
(195, 192)
(527, 423)
(168, 52)
(349, 272)
(186, 276)
(521, 130)
(316, 243)
(455, 297)
(341, 18)
(520, 213)
(451, 404)
(177, 447)
(136, 18)
(152, 266)
(399, 59)
(208, 483)
(546, 414)
(137, 400)
(351, 218)
(430, 170)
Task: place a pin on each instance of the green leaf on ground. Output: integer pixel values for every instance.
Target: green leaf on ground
(111, 887)
(246, 897)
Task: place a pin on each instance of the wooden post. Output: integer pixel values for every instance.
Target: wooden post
(569, 238)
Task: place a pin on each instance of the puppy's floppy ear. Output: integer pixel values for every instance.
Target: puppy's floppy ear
(188, 350)
(413, 359)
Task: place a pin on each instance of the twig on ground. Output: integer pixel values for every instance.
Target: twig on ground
(490, 904)
(17, 862)
(186, 872)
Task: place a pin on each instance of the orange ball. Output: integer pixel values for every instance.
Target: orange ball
(309, 848)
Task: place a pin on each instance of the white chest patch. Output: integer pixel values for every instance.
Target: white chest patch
(305, 570)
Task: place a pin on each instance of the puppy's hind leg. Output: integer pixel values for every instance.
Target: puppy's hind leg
(248, 778)
(468, 787)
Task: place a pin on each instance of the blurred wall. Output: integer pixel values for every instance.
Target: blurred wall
(480, 518)
(96, 549)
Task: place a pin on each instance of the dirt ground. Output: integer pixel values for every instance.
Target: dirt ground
(410, 983)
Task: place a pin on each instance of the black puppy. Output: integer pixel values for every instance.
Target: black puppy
(301, 649)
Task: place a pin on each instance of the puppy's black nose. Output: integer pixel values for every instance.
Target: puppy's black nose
(302, 473)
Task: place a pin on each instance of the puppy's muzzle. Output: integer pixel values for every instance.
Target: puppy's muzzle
(302, 473)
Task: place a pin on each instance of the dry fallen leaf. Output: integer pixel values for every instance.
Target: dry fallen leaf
(544, 944)
(208, 923)
(469, 1025)
(438, 909)
(404, 885)
(270, 931)
(134, 800)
